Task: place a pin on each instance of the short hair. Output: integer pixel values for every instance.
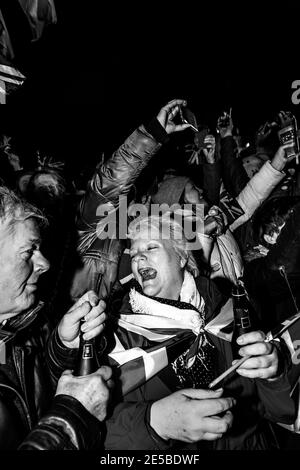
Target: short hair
(15, 209)
(272, 215)
(46, 187)
(176, 237)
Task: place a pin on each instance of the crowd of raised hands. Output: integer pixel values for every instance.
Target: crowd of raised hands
(247, 200)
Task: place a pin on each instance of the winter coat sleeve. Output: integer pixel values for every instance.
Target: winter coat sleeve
(275, 394)
(113, 179)
(58, 357)
(129, 428)
(66, 426)
(256, 191)
(212, 182)
(234, 175)
(102, 219)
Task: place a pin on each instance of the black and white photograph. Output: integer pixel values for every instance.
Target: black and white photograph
(149, 230)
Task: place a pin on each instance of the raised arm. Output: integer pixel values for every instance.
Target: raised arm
(116, 176)
(234, 175)
(261, 186)
(211, 172)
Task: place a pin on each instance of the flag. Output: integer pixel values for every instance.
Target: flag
(230, 207)
(39, 13)
(137, 365)
(222, 325)
(6, 48)
(10, 79)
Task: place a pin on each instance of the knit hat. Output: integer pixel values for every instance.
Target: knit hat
(170, 190)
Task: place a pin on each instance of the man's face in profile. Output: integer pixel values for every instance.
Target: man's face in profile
(22, 263)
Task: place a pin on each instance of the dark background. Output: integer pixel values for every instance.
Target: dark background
(102, 70)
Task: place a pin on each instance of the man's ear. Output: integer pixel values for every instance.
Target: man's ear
(271, 239)
(182, 263)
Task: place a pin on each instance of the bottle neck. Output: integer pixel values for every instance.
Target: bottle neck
(239, 290)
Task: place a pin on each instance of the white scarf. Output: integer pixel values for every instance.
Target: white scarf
(153, 314)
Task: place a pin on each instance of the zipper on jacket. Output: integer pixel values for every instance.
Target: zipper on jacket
(23, 403)
(21, 374)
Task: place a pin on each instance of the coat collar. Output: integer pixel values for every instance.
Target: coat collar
(13, 325)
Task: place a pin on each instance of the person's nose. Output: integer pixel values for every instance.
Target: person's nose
(41, 264)
(140, 257)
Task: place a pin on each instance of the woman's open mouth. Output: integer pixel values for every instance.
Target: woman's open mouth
(147, 273)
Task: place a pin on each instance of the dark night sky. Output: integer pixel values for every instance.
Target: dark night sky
(100, 72)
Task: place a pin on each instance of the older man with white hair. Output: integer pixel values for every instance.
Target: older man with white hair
(26, 388)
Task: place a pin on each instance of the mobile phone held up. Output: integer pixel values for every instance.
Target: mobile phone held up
(188, 117)
(200, 137)
(288, 135)
(224, 120)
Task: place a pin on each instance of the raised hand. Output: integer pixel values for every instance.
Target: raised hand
(227, 130)
(285, 118)
(281, 157)
(214, 223)
(168, 113)
(263, 132)
(210, 148)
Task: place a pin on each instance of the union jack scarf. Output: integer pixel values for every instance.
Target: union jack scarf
(160, 332)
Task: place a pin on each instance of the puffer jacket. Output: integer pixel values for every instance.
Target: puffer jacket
(259, 402)
(234, 175)
(100, 254)
(235, 180)
(30, 419)
(226, 259)
(256, 192)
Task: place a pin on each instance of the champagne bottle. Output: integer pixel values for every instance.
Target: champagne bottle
(87, 362)
(243, 316)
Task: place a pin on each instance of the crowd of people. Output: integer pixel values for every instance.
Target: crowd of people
(143, 260)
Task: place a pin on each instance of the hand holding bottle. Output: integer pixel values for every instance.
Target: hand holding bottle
(91, 391)
(88, 308)
(214, 222)
(263, 363)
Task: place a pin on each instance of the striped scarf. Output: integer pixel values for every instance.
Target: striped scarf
(160, 332)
